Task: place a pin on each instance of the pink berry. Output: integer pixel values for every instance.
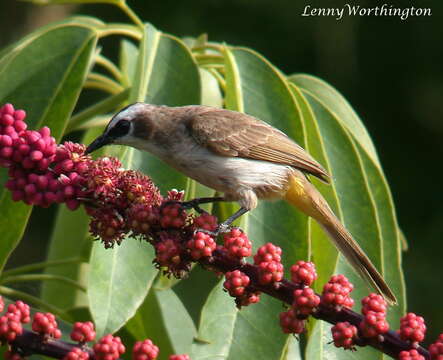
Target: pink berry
(144, 350)
(266, 253)
(83, 332)
(412, 328)
(45, 324)
(343, 335)
(236, 283)
(290, 324)
(179, 357)
(270, 272)
(76, 354)
(237, 243)
(303, 272)
(410, 355)
(305, 301)
(201, 245)
(205, 221)
(336, 292)
(108, 348)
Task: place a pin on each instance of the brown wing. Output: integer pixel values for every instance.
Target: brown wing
(230, 133)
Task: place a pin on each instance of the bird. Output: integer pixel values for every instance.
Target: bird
(242, 157)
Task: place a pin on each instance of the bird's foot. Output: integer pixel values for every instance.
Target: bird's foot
(222, 228)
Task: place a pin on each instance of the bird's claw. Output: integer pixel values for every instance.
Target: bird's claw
(221, 229)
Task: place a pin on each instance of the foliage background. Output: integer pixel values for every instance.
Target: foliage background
(389, 70)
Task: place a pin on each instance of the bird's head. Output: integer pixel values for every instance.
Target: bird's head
(130, 126)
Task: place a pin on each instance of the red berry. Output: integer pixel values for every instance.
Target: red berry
(179, 357)
(144, 350)
(410, 355)
(266, 253)
(141, 218)
(303, 272)
(374, 324)
(236, 283)
(412, 328)
(248, 299)
(46, 324)
(10, 327)
(108, 348)
(2, 304)
(76, 354)
(343, 335)
(237, 243)
(270, 272)
(305, 301)
(173, 216)
(436, 349)
(290, 324)
(201, 245)
(205, 221)
(336, 292)
(20, 309)
(83, 332)
(373, 302)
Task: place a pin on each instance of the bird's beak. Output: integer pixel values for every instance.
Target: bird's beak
(101, 141)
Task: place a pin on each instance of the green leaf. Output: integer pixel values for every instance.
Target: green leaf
(215, 331)
(163, 319)
(165, 73)
(338, 106)
(42, 74)
(119, 279)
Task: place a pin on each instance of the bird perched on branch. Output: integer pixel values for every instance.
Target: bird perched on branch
(240, 156)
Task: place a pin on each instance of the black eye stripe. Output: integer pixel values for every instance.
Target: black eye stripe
(120, 129)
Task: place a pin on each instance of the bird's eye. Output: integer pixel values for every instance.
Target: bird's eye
(120, 129)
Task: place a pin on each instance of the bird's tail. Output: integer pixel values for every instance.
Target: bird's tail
(302, 194)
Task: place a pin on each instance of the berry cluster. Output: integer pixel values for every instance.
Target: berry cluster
(305, 300)
(436, 349)
(83, 332)
(76, 354)
(108, 348)
(303, 273)
(336, 292)
(201, 245)
(144, 350)
(374, 311)
(344, 335)
(45, 325)
(237, 244)
(412, 328)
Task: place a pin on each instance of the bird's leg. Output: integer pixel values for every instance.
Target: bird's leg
(194, 203)
(225, 225)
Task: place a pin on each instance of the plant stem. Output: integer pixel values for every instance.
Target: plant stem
(130, 13)
(41, 277)
(39, 265)
(108, 84)
(206, 47)
(120, 29)
(101, 107)
(32, 299)
(109, 66)
(220, 79)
